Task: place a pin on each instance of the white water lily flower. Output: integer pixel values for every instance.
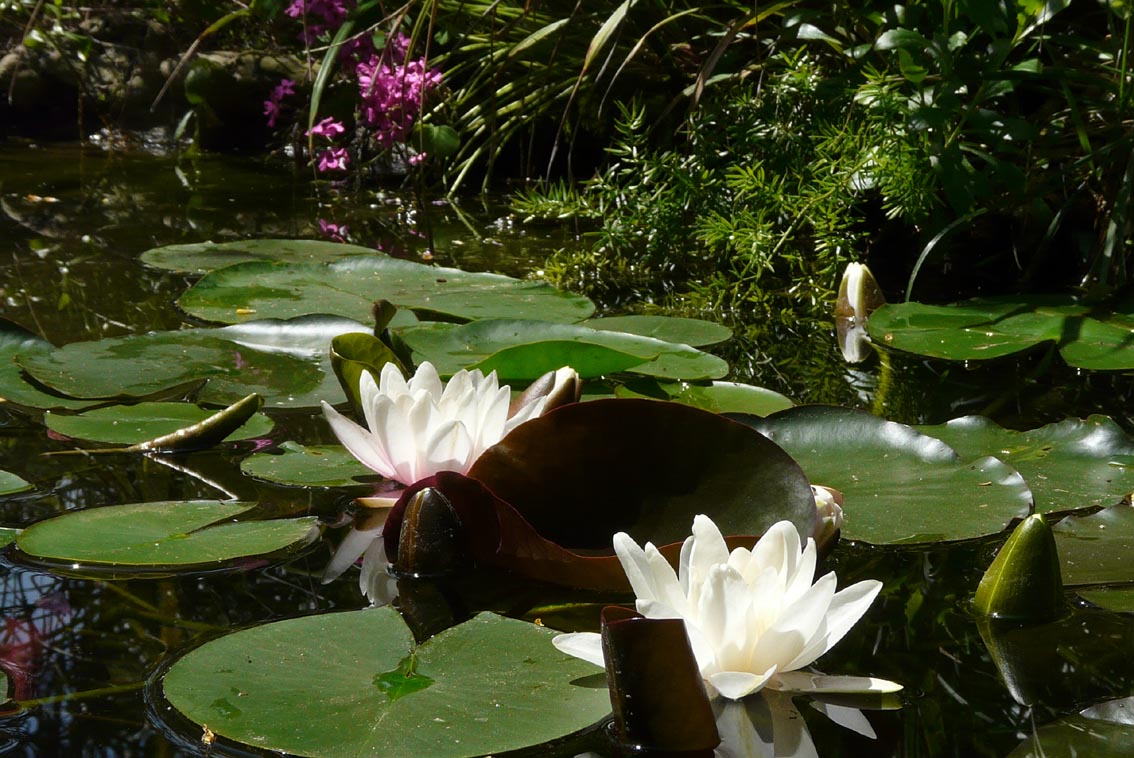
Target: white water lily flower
(753, 617)
(421, 427)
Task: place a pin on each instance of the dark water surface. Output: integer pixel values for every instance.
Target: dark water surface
(81, 653)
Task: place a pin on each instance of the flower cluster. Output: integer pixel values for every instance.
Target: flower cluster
(754, 617)
(273, 104)
(392, 90)
(319, 16)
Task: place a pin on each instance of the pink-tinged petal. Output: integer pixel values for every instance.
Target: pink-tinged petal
(790, 639)
(807, 682)
(350, 550)
(847, 607)
(847, 717)
(358, 442)
(585, 645)
(737, 684)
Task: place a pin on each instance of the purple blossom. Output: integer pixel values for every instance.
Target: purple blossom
(328, 127)
(333, 232)
(285, 88)
(392, 91)
(417, 158)
(334, 159)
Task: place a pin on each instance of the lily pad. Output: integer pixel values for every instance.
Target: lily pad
(1096, 549)
(285, 361)
(1087, 337)
(350, 287)
(899, 486)
(1117, 599)
(544, 499)
(1105, 730)
(8, 535)
(11, 484)
(162, 534)
(687, 331)
(717, 397)
(308, 466)
(525, 350)
(14, 388)
(202, 257)
(1068, 465)
(131, 424)
(487, 686)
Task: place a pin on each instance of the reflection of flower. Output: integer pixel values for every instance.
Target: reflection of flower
(419, 428)
(754, 617)
(769, 726)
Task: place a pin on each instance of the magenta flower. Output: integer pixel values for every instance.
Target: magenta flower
(328, 128)
(285, 88)
(334, 159)
(333, 232)
(392, 91)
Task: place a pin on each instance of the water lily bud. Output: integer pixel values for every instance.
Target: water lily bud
(560, 387)
(1024, 582)
(828, 504)
(859, 296)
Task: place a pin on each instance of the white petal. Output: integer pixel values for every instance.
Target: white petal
(375, 580)
(585, 645)
(797, 629)
(803, 681)
(847, 607)
(737, 684)
(358, 442)
(650, 575)
(426, 380)
(392, 383)
(350, 550)
(846, 717)
(708, 550)
(789, 730)
(448, 448)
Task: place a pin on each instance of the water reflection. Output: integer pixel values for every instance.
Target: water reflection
(768, 725)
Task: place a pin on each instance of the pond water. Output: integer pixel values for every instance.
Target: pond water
(83, 652)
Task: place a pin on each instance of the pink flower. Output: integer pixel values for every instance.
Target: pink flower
(392, 91)
(334, 159)
(333, 232)
(328, 128)
(285, 88)
(417, 158)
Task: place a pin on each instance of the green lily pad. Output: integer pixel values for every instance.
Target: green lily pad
(308, 466)
(11, 484)
(1068, 465)
(8, 535)
(203, 257)
(898, 485)
(1105, 730)
(525, 350)
(487, 686)
(1117, 599)
(131, 424)
(15, 340)
(1096, 549)
(717, 397)
(350, 287)
(285, 361)
(1090, 338)
(686, 331)
(162, 534)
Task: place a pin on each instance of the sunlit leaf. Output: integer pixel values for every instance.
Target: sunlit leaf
(524, 350)
(132, 424)
(717, 397)
(349, 288)
(1096, 549)
(898, 485)
(687, 331)
(11, 484)
(285, 361)
(162, 534)
(1068, 465)
(487, 686)
(308, 466)
(14, 388)
(202, 257)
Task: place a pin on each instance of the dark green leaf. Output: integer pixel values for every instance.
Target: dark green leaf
(687, 331)
(132, 424)
(14, 388)
(1096, 549)
(308, 466)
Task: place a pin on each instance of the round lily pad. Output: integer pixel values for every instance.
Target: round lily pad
(202, 257)
(1096, 549)
(131, 424)
(162, 534)
(525, 350)
(899, 486)
(11, 484)
(1087, 337)
(349, 288)
(8, 535)
(1105, 730)
(14, 388)
(308, 466)
(717, 397)
(687, 331)
(285, 361)
(1068, 465)
(1117, 599)
(351, 684)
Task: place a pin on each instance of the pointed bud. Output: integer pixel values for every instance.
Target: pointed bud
(859, 296)
(1024, 581)
(560, 387)
(829, 513)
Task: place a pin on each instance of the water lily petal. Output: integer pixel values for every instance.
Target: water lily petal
(350, 550)
(737, 684)
(375, 580)
(359, 442)
(425, 381)
(847, 607)
(804, 681)
(585, 645)
(846, 717)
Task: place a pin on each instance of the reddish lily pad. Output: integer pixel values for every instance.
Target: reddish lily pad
(557, 488)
